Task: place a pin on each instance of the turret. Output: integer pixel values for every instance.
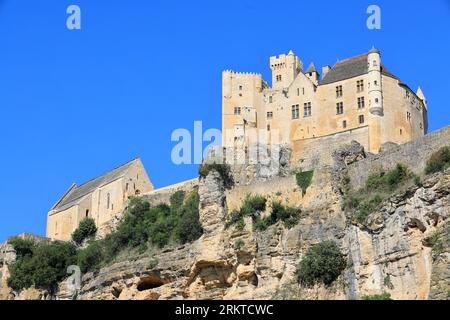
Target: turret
(375, 86)
(285, 69)
(312, 74)
(422, 97)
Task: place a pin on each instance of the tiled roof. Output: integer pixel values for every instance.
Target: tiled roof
(350, 68)
(77, 193)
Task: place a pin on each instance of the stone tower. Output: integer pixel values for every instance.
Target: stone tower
(375, 95)
(285, 69)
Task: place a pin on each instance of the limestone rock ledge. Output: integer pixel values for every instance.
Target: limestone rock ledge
(390, 254)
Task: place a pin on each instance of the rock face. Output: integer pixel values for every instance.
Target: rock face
(391, 253)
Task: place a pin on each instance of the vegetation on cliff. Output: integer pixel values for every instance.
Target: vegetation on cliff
(43, 265)
(439, 161)
(323, 263)
(379, 186)
(222, 169)
(40, 265)
(383, 296)
(254, 205)
(304, 179)
(85, 230)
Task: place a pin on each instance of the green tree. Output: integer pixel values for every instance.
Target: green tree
(86, 229)
(322, 263)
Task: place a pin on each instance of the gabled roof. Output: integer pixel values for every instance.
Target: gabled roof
(349, 68)
(76, 193)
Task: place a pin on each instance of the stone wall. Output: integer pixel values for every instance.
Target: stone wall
(162, 195)
(316, 152)
(413, 154)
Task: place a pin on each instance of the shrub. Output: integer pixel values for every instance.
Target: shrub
(189, 227)
(152, 264)
(383, 296)
(223, 170)
(239, 244)
(286, 214)
(323, 263)
(44, 268)
(23, 247)
(91, 258)
(86, 229)
(253, 205)
(388, 181)
(439, 161)
(177, 199)
(304, 179)
(436, 242)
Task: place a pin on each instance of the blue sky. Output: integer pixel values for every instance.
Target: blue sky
(74, 104)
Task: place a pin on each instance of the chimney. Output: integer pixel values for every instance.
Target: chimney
(325, 70)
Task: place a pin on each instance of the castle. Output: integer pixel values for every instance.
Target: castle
(357, 99)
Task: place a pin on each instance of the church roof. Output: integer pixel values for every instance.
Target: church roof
(76, 193)
(349, 68)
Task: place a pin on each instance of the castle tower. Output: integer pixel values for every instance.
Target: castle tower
(312, 74)
(375, 95)
(284, 70)
(375, 85)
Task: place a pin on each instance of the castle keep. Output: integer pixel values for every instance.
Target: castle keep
(356, 99)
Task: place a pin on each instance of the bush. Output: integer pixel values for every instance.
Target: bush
(189, 227)
(86, 229)
(223, 170)
(439, 161)
(43, 268)
(383, 296)
(388, 181)
(23, 247)
(91, 258)
(304, 179)
(254, 205)
(323, 263)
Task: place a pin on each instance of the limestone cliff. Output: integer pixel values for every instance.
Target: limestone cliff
(392, 252)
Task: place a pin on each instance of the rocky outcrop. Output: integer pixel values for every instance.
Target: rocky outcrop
(390, 253)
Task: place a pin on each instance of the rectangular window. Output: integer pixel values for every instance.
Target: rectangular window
(269, 115)
(361, 119)
(240, 87)
(307, 109)
(361, 103)
(360, 85)
(338, 91)
(298, 91)
(303, 91)
(344, 124)
(295, 112)
(278, 78)
(375, 82)
(237, 111)
(339, 108)
(408, 116)
(270, 99)
(268, 127)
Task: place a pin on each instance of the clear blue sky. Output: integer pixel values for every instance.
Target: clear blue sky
(74, 104)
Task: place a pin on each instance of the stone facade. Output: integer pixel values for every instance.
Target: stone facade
(103, 199)
(358, 98)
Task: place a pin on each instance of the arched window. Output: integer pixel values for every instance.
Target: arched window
(108, 200)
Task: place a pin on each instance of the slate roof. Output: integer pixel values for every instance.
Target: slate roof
(350, 68)
(77, 193)
(311, 68)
